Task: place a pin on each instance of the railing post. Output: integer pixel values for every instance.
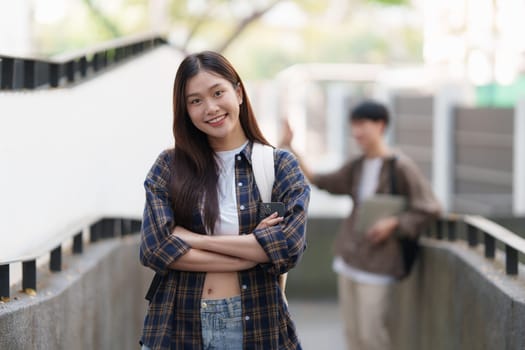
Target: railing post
(55, 261)
(77, 243)
(439, 229)
(4, 282)
(511, 260)
(136, 226)
(490, 246)
(95, 62)
(18, 74)
(54, 74)
(70, 71)
(83, 66)
(29, 74)
(29, 275)
(107, 228)
(119, 232)
(472, 235)
(94, 232)
(451, 230)
(8, 72)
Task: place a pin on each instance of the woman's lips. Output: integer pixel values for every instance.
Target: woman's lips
(217, 121)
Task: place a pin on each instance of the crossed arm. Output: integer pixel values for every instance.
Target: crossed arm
(222, 253)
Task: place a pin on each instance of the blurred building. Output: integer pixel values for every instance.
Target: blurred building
(476, 41)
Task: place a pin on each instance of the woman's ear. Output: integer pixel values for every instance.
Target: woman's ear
(238, 90)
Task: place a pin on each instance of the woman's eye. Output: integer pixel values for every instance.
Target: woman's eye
(218, 93)
(195, 101)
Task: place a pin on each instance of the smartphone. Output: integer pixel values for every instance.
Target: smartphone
(266, 209)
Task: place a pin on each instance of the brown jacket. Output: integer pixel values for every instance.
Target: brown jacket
(422, 207)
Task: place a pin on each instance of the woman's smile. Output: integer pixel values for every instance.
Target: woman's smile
(217, 121)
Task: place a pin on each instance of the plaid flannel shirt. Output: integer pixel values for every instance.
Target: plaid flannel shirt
(173, 317)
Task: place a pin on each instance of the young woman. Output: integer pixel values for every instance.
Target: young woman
(220, 267)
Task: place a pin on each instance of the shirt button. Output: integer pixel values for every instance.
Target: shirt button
(239, 184)
(244, 287)
(242, 207)
(203, 305)
(247, 318)
(238, 157)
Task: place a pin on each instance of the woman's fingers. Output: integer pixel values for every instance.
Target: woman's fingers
(271, 220)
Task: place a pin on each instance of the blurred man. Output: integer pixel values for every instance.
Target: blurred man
(369, 263)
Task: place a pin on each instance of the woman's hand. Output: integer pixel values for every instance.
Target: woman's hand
(269, 221)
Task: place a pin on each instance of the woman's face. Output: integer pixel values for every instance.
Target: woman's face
(213, 105)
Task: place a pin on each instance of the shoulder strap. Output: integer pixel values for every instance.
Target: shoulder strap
(393, 176)
(263, 169)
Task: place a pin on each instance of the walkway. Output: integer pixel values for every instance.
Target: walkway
(318, 324)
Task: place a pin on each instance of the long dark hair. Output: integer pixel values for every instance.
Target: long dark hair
(194, 169)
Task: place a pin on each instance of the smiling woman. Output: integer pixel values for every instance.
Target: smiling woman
(218, 265)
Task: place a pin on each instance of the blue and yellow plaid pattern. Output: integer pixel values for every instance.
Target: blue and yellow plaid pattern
(173, 317)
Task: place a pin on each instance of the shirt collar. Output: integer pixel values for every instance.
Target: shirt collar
(247, 152)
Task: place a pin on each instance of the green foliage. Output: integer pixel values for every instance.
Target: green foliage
(261, 48)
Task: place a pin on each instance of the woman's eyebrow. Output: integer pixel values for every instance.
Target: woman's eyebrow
(214, 86)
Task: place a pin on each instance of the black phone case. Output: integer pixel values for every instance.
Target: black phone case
(266, 209)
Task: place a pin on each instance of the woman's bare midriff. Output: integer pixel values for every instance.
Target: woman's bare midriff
(220, 285)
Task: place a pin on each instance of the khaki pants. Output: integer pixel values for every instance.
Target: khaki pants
(364, 310)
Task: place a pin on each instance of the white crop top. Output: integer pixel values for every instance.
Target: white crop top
(228, 223)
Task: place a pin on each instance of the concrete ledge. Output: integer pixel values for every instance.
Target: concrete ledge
(96, 302)
(457, 299)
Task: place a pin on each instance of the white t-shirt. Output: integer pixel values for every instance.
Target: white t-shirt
(367, 188)
(228, 223)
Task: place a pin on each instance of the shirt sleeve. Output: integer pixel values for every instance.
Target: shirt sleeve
(158, 247)
(337, 182)
(285, 243)
(423, 206)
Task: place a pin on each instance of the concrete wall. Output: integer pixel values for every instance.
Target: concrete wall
(455, 298)
(95, 141)
(97, 302)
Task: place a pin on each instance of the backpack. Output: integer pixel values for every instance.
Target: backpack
(264, 172)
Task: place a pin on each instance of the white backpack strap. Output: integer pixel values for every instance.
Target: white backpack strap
(263, 170)
(264, 173)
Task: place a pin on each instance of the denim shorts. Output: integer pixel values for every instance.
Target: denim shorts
(221, 322)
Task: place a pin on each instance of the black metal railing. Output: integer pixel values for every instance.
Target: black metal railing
(98, 229)
(19, 73)
(474, 229)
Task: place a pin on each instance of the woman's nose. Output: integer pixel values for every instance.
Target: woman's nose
(211, 107)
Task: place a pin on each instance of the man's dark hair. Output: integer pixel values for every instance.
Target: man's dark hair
(370, 110)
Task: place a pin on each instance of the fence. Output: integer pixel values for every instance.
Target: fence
(18, 73)
(96, 229)
(474, 156)
(472, 227)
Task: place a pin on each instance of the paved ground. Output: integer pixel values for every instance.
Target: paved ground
(318, 324)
